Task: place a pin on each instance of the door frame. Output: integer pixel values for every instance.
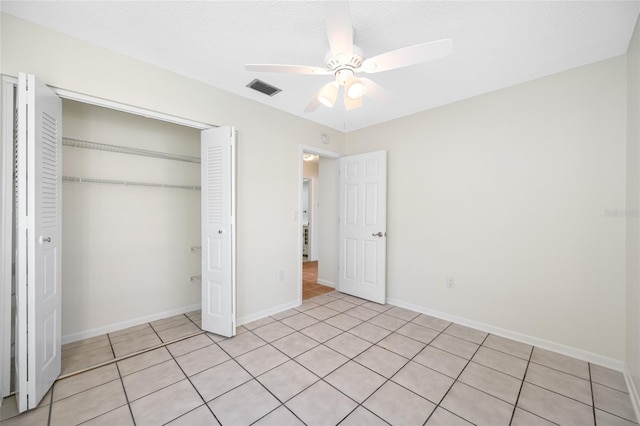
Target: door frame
(6, 230)
(307, 149)
(6, 182)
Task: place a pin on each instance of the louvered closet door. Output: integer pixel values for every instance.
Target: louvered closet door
(218, 230)
(39, 267)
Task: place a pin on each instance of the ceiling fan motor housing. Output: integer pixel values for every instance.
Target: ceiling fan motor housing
(344, 65)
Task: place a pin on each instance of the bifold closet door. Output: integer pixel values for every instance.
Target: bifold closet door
(218, 147)
(38, 257)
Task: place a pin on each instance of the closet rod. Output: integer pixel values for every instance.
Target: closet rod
(77, 143)
(128, 183)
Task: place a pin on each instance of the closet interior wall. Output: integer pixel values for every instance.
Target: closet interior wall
(127, 249)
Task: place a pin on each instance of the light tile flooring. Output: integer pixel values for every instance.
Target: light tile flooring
(96, 350)
(337, 359)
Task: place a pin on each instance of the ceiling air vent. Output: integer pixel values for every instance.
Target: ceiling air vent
(263, 87)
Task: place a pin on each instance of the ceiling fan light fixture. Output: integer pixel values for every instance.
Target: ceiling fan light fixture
(350, 104)
(354, 87)
(328, 94)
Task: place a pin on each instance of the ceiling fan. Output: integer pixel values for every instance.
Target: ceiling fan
(345, 60)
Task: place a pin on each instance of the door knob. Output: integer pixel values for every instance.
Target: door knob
(220, 231)
(44, 240)
(379, 234)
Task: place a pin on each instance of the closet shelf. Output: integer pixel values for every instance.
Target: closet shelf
(197, 250)
(128, 183)
(197, 279)
(77, 143)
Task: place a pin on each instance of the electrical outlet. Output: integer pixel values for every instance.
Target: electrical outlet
(281, 276)
(451, 282)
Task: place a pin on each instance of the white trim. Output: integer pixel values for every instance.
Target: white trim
(324, 153)
(327, 283)
(633, 391)
(320, 151)
(6, 231)
(267, 312)
(519, 337)
(105, 103)
(74, 337)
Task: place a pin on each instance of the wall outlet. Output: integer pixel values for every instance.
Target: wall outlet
(281, 276)
(451, 282)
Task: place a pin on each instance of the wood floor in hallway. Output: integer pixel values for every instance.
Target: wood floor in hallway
(310, 286)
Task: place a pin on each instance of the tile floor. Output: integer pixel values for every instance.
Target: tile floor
(87, 353)
(337, 359)
(310, 286)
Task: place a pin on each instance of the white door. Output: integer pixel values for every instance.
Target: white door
(363, 226)
(38, 253)
(218, 149)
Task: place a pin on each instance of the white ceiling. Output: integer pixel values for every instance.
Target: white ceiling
(495, 44)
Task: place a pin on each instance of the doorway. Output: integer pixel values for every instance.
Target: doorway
(318, 222)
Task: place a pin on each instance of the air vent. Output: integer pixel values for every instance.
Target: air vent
(263, 87)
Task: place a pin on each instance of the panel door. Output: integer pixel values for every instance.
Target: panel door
(218, 231)
(38, 252)
(363, 226)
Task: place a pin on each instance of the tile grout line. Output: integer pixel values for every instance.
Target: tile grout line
(113, 351)
(50, 406)
(322, 379)
(191, 383)
(593, 401)
(127, 356)
(459, 374)
(515, 406)
(126, 396)
(256, 379)
(409, 360)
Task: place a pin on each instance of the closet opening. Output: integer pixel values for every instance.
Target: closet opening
(131, 231)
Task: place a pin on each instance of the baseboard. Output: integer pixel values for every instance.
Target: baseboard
(591, 357)
(633, 391)
(267, 312)
(70, 338)
(327, 283)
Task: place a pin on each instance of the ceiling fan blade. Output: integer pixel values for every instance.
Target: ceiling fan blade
(287, 69)
(407, 56)
(374, 91)
(339, 28)
(314, 103)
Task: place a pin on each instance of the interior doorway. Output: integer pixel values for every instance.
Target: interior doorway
(318, 222)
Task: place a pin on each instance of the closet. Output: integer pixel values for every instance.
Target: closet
(130, 216)
(111, 217)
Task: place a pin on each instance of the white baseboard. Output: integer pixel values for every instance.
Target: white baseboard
(267, 312)
(327, 283)
(591, 357)
(633, 391)
(69, 338)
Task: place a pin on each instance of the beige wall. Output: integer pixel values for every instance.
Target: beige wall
(268, 144)
(507, 192)
(633, 208)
